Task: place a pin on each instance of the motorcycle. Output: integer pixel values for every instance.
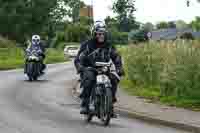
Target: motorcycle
(100, 103)
(33, 65)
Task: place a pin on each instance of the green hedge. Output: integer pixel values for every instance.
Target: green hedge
(4, 43)
(117, 37)
(168, 71)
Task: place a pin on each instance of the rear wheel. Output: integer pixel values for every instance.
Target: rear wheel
(35, 78)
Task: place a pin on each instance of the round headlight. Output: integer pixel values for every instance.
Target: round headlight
(105, 69)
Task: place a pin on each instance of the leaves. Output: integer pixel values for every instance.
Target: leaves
(125, 16)
(22, 18)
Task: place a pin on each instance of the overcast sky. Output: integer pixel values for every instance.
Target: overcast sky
(152, 10)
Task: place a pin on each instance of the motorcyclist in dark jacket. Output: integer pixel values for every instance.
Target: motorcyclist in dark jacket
(39, 47)
(96, 49)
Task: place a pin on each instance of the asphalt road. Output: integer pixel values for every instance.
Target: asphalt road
(47, 106)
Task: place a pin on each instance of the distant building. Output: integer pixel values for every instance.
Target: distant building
(86, 11)
(171, 34)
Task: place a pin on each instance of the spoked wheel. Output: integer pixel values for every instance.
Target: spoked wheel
(106, 107)
(35, 78)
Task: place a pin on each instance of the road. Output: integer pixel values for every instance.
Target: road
(47, 106)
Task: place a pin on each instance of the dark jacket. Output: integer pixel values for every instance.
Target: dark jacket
(89, 53)
(39, 48)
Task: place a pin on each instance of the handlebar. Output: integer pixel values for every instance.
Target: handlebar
(101, 64)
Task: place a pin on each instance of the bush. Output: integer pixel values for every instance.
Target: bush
(11, 58)
(72, 33)
(54, 55)
(187, 36)
(4, 43)
(136, 36)
(172, 68)
(77, 33)
(117, 37)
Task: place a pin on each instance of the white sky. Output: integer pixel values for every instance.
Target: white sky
(152, 10)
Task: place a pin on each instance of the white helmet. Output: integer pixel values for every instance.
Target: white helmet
(99, 26)
(35, 39)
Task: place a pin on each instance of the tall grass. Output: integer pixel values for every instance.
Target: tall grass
(171, 70)
(55, 56)
(5, 43)
(11, 58)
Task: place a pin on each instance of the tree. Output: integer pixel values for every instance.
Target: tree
(75, 6)
(171, 24)
(180, 24)
(111, 22)
(196, 24)
(124, 10)
(86, 21)
(148, 26)
(187, 36)
(22, 18)
(162, 25)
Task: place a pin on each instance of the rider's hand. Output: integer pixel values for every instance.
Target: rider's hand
(120, 72)
(80, 68)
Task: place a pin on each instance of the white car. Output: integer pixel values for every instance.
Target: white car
(71, 51)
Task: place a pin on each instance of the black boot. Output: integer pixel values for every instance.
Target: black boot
(114, 100)
(84, 107)
(42, 69)
(113, 114)
(25, 68)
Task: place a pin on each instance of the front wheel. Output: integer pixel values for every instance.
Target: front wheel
(30, 78)
(35, 78)
(106, 106)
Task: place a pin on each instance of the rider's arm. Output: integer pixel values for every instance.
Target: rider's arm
(77, 61)
(27, 51)
(117, 60)
(42, 52)
(42, 46)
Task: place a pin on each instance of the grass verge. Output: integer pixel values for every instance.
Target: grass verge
(164, 72)
(12, 58)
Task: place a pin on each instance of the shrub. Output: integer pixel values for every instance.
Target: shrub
(136, 36)
(117, 37)
(187, 36)
(4, 43)
(172, 67)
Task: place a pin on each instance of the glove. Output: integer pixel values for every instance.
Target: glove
(80, 68)
(120, 71)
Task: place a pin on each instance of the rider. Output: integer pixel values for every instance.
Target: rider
(39, 47)
(87, 56)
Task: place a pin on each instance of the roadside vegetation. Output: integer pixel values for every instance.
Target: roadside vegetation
(12, 57)
(166, 72)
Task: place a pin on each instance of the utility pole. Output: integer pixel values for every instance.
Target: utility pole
(188, 3)
(92, 10)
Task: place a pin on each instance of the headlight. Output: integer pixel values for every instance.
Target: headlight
(105, 69)
(33, 58)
